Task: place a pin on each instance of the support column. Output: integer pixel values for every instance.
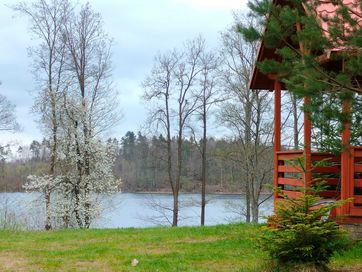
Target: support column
(307, 146)
(346, 172)
(277, 130)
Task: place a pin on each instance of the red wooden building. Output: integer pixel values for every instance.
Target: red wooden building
(344, 171)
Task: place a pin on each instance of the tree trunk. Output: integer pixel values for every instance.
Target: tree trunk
(248, 122)
(178, 180)
(255, 212)
(247, 202)
(175, 210)
(203, 182)
(48, 225)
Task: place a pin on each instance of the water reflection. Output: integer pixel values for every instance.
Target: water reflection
(135, 210)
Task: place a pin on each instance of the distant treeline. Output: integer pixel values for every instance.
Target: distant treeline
(141, 164)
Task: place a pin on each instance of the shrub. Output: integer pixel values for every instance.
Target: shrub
(301, 234)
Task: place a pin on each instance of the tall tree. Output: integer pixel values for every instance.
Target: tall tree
(77, 104)
(170, 86)
(159, 88)
(208, 96)
(91, 104)
(46, 23)
(247, 114)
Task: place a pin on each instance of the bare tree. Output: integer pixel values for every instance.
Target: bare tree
(247, 114)
(158, 88)
(186, 76)
(7, 115)
(170, 87)
(208, 96)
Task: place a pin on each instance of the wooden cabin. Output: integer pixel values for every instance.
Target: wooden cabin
(344, 171)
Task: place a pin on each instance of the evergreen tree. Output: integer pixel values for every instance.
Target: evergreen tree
(318, 55)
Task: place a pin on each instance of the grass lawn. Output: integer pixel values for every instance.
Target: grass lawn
(218, 248)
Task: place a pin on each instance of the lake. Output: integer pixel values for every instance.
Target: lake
(124, 210)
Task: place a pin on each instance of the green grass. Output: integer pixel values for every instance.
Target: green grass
(218, 248)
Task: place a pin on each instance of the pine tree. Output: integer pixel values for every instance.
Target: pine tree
(318, 55)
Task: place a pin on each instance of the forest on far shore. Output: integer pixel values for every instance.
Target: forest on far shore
(139, 164)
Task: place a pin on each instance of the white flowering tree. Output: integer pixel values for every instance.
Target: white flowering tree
(80, 105)
(77, 199)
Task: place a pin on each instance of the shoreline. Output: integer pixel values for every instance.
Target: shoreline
(194, 193)
(166, 193)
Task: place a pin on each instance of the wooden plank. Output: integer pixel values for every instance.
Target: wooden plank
(277, 131)
(329, 181)
(277, 116)
(290, 152)
(290, 181)
(358, 168)
(329, 194)
(356, 211)
(358, 183)
(291, 194)
(329, 158)
(357, 159)
(357, 199)
(289, 157)
(326, 169)
(358, 153)
(289, 169)
(346, 159)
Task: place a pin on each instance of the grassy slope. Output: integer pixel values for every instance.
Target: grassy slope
(219, 248)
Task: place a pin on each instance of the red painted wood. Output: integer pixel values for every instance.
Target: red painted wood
(326, 169)
(357, 168)
(290, 152)
(289, 169)
(290, 181)
(291, 156)
(327, 159)
(357, 160)
(357, 199)
(277, 131)
(346, 172)
(357, 152)
(358, 183)
(277, 116)
(329, 194)
(329, 181)
(291, 194)
(356, 211)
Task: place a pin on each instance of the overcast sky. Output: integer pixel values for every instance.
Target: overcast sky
(140, 29)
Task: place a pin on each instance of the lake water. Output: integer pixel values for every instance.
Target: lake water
(138, 210)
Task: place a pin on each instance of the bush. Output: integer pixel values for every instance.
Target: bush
(301, 234)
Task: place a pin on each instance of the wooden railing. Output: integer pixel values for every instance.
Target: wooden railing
(355, 187)
(326, 167)
(290, 174)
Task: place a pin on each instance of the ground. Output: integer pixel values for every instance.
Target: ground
(218, 248)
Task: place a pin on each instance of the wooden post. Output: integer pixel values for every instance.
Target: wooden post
(346, 174)
(307, 146)
(277, 130)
